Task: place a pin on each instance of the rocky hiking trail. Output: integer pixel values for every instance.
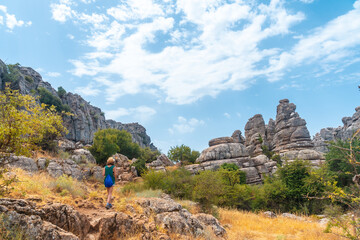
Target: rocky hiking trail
(145, 218)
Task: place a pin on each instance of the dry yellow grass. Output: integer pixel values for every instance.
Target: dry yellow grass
(243, 225)
(246, 225)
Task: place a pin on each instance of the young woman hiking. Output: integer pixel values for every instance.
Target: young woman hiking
(109, 173)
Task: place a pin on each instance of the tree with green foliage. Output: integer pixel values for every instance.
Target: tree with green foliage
(337, 161)
(24, 124)
(183, 154)
(107, 142)
(61, 92)
(49, 99)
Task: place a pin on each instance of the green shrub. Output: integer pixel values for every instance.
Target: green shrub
(107, 142)
(336, 160)
(49, 99)
(149, 155)
(67, 185)
(29, 79)
(12, 73)
(61, 92)
(140, 166)
(208, 188)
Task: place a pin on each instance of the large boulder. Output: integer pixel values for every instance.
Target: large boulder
(223, 151)
(67, 218)
(83, 156)
(220, 140)
(25, 163)
(57, 168)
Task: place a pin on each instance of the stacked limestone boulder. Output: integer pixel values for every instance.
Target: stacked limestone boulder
(230, 150)
(160, 163)
(287, 136)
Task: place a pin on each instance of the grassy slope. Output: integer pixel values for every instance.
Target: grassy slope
(242, 225)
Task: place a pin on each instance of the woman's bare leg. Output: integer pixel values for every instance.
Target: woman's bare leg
(110, 189)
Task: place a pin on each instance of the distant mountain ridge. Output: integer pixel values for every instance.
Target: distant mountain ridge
(86, 119)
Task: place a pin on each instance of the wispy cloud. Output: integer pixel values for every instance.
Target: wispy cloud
(141, 113)
(201, 47)
(328, 45)
(10, 21)
(184, 125)
(53, 74)
(89, 90)
(227, 115)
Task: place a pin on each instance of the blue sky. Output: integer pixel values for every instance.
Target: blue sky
(193, 70)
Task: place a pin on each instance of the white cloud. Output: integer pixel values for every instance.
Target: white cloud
(327, 45)
(61, 12)
(209, 46)
(10, 20)
(227, 115)
(3, 8)
(70, 36)
(307, 1)
(185, 126)
(89, 90)
(53, 74)
(141, 113)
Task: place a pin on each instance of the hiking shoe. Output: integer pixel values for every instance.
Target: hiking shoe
(108, 206)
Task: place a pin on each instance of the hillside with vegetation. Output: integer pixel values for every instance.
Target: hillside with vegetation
(275, 183)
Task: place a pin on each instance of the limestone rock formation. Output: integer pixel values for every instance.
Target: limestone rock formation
(60, 221)
(237, 137)
(345, 132)
(290, 130)
(23, 215)
(126, 172)
(160, 163)
(86, 119)
(254, 130)
(223, 151)
(220, 140)
(316, 158)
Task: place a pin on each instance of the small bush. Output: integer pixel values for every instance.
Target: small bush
(64, 155)
(61, 92)
(29, 79)
(140, 166)
(67, 185)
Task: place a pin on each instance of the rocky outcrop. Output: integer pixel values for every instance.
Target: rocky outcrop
(172, 217)
(126, 173)
(86, 119)
(60, 221)
(23, 216)
(254, 130)
(345, 132)
(255, 168)
(223, 151)
(291, 132)
(315, 158)
(237, 137)
(220, 140)
(160, 163)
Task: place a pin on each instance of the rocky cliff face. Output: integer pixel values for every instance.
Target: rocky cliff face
(351, 124)
(86, 119)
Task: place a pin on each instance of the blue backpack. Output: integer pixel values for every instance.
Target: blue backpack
(108, 181)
